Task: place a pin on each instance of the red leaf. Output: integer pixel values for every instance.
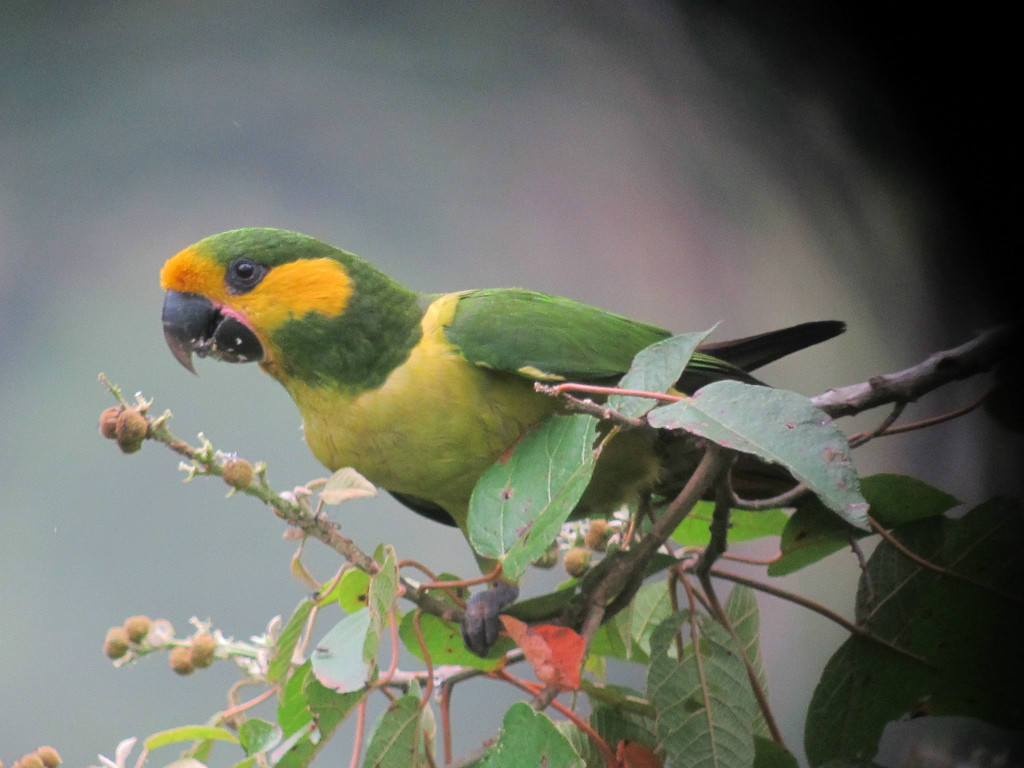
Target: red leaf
(555, 653)
(633, 754)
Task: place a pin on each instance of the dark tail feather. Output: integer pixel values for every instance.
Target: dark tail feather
(751, 352)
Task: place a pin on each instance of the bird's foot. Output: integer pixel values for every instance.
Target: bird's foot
(481, 626)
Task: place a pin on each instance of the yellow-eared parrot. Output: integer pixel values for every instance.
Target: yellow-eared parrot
(422, 393)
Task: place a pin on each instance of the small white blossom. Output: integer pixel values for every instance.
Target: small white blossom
(160, 633)
(120, 755)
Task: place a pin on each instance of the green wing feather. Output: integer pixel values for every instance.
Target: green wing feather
(546, 337)
(549, 338)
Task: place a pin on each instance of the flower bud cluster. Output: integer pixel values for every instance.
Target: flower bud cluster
(128, 426)
(44, 757)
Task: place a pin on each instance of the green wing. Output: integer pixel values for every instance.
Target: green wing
(548, 338)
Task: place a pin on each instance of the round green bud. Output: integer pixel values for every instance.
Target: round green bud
(576, 561)
(238, 473)
(116, 643)
(180, 659)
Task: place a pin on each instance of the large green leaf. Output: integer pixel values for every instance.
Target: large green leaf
(292, 712)
(655, 369)
(970, 664)
(395, 741)
(329, 707)
(741, 610)
(779, 427)
(529, 738)
(705, 706)
(814, 533)
(520, 504)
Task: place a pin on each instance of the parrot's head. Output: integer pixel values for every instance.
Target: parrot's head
(300, 307)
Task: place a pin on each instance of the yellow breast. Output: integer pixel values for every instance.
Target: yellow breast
(432, 428)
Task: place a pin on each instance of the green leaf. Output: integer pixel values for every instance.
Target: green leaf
(395, 741)
(189, 733)
(779, 427)
(352, 591)
(289, 639)
(770, 754)
(655, 369)
(520, 504)
(329, 707)
(258, 735)
(383, 599)
(444, 643)
(744, 525)
(292, 712)
(529, 738)
(971, 662)
(705, 706)
(814, 533)
(899, 499)
(741, 610)
(338, 659)
(628, 635)
(616, 723)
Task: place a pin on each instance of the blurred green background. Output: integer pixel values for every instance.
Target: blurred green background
(681, 163)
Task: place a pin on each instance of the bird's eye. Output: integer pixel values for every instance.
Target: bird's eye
(244, 274)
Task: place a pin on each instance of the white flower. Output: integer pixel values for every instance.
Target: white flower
(120, 755)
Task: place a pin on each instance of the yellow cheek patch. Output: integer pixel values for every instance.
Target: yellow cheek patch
(288, 290)
(296, 289)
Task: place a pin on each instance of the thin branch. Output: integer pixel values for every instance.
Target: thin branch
(446, 719)
(786, 499)
(623, 569)
(204, 461)
(976, 356)
(863, 437)
(862, 563)
(427, 660)
(357, 744)
(819, 609)
(956, 413)
(589, 407)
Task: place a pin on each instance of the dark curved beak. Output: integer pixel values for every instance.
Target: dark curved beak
(193, 324)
